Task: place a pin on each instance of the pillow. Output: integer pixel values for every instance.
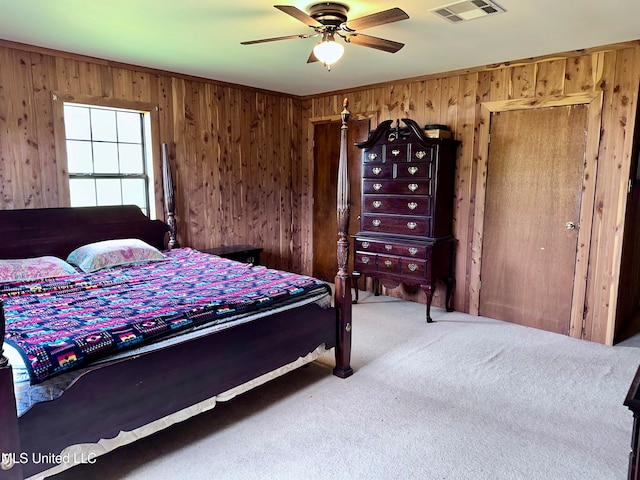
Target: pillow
(25, 269)
(111, 253)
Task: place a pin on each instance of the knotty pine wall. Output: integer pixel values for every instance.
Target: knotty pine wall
(236, 151)
(243, 157)
(455, 99)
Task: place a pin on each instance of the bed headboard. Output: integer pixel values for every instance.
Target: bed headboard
(57, 231)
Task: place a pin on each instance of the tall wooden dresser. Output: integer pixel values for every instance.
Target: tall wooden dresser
(407, 209)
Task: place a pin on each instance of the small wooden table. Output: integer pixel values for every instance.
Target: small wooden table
(240, 253)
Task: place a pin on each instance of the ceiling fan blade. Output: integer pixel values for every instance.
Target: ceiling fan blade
(374, 42)
(380, 18)
(312, 58)
(299, 15)
(288, 37)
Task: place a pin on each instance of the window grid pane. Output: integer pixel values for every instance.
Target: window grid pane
(105, 149)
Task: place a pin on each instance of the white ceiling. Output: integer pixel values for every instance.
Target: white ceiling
(202, 37)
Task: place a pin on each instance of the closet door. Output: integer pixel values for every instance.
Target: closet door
(531, 219)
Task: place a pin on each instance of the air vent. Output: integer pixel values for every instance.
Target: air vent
(468, 10)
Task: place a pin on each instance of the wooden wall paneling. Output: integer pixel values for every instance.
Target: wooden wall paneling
(417, 105)
(222, 154)
(500, 84)
(193, 158)
(577, 326)
(206, 163)
(550, 75)
(180, 163)
(400, 101)
(579, 74)
(522, 80)
(431, 101)
(141, 86)
(90, 79)
(306, 206)
(625, 100)
(25, 133)
(282, 151)
(41, 67)
(68, 75)
(466, 130)
(598, 242)
(294, 108)
(8, 148)
(123, 83)
(161, 96)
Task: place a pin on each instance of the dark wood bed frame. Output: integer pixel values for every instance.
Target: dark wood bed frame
(129, 393)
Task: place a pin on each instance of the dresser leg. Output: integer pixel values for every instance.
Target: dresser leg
(428, 290)
(451, 287)
(356, 277)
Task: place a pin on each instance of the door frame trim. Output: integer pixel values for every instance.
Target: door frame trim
(593, 100)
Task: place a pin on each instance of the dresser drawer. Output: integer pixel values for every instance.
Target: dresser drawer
(364, 262)
(373, 154)
(413, 170)
(399, 225)
(388, 264)
(414, 268)
(377, 170)
(399, 205)
(403, 187)
(419, 152)
(391, 247)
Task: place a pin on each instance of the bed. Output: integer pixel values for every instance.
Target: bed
(105, 397)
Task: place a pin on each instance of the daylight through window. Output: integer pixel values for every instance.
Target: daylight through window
(107, 156)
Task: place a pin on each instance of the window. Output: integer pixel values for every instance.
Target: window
(109, 157)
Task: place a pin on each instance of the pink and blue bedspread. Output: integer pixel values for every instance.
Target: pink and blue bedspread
(66, 322)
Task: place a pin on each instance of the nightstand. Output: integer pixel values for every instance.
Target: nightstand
(240, 253)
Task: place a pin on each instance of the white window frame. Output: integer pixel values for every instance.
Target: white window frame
(150, 116)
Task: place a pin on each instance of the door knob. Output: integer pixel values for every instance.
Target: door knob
(570, 226)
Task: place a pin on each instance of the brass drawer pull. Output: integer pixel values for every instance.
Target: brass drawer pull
(365, 259)
(421, 154)
(377, 204)
(377, 170)
(413, 170)
(365, 244)
(413, 187)
(395, 152)
(412, 225)
(388, 263)
(413, 251)
(388, 248)
(412, 205)
(413, 267)
(377, 186)
(372, 156)
(376, 223)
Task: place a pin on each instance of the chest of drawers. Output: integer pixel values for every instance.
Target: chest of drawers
(407, 209)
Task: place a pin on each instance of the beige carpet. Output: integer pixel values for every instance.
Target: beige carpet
(462, 398)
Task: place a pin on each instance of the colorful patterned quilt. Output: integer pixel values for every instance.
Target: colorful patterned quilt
(66, 322)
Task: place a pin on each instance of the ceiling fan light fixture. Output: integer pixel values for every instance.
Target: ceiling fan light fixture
(328, 51)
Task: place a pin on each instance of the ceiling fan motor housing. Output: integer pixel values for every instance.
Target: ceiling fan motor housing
(329, 13)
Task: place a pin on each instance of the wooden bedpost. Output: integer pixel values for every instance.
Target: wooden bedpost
(10, 438)
(342, 294)
(169, 203)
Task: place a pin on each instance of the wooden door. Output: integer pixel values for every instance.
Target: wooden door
(534, 186)
(326, 154)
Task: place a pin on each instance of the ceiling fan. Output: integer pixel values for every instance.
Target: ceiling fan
(329, 19)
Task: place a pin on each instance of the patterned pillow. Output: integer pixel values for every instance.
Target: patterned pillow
(25, 269)
(111, 253)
